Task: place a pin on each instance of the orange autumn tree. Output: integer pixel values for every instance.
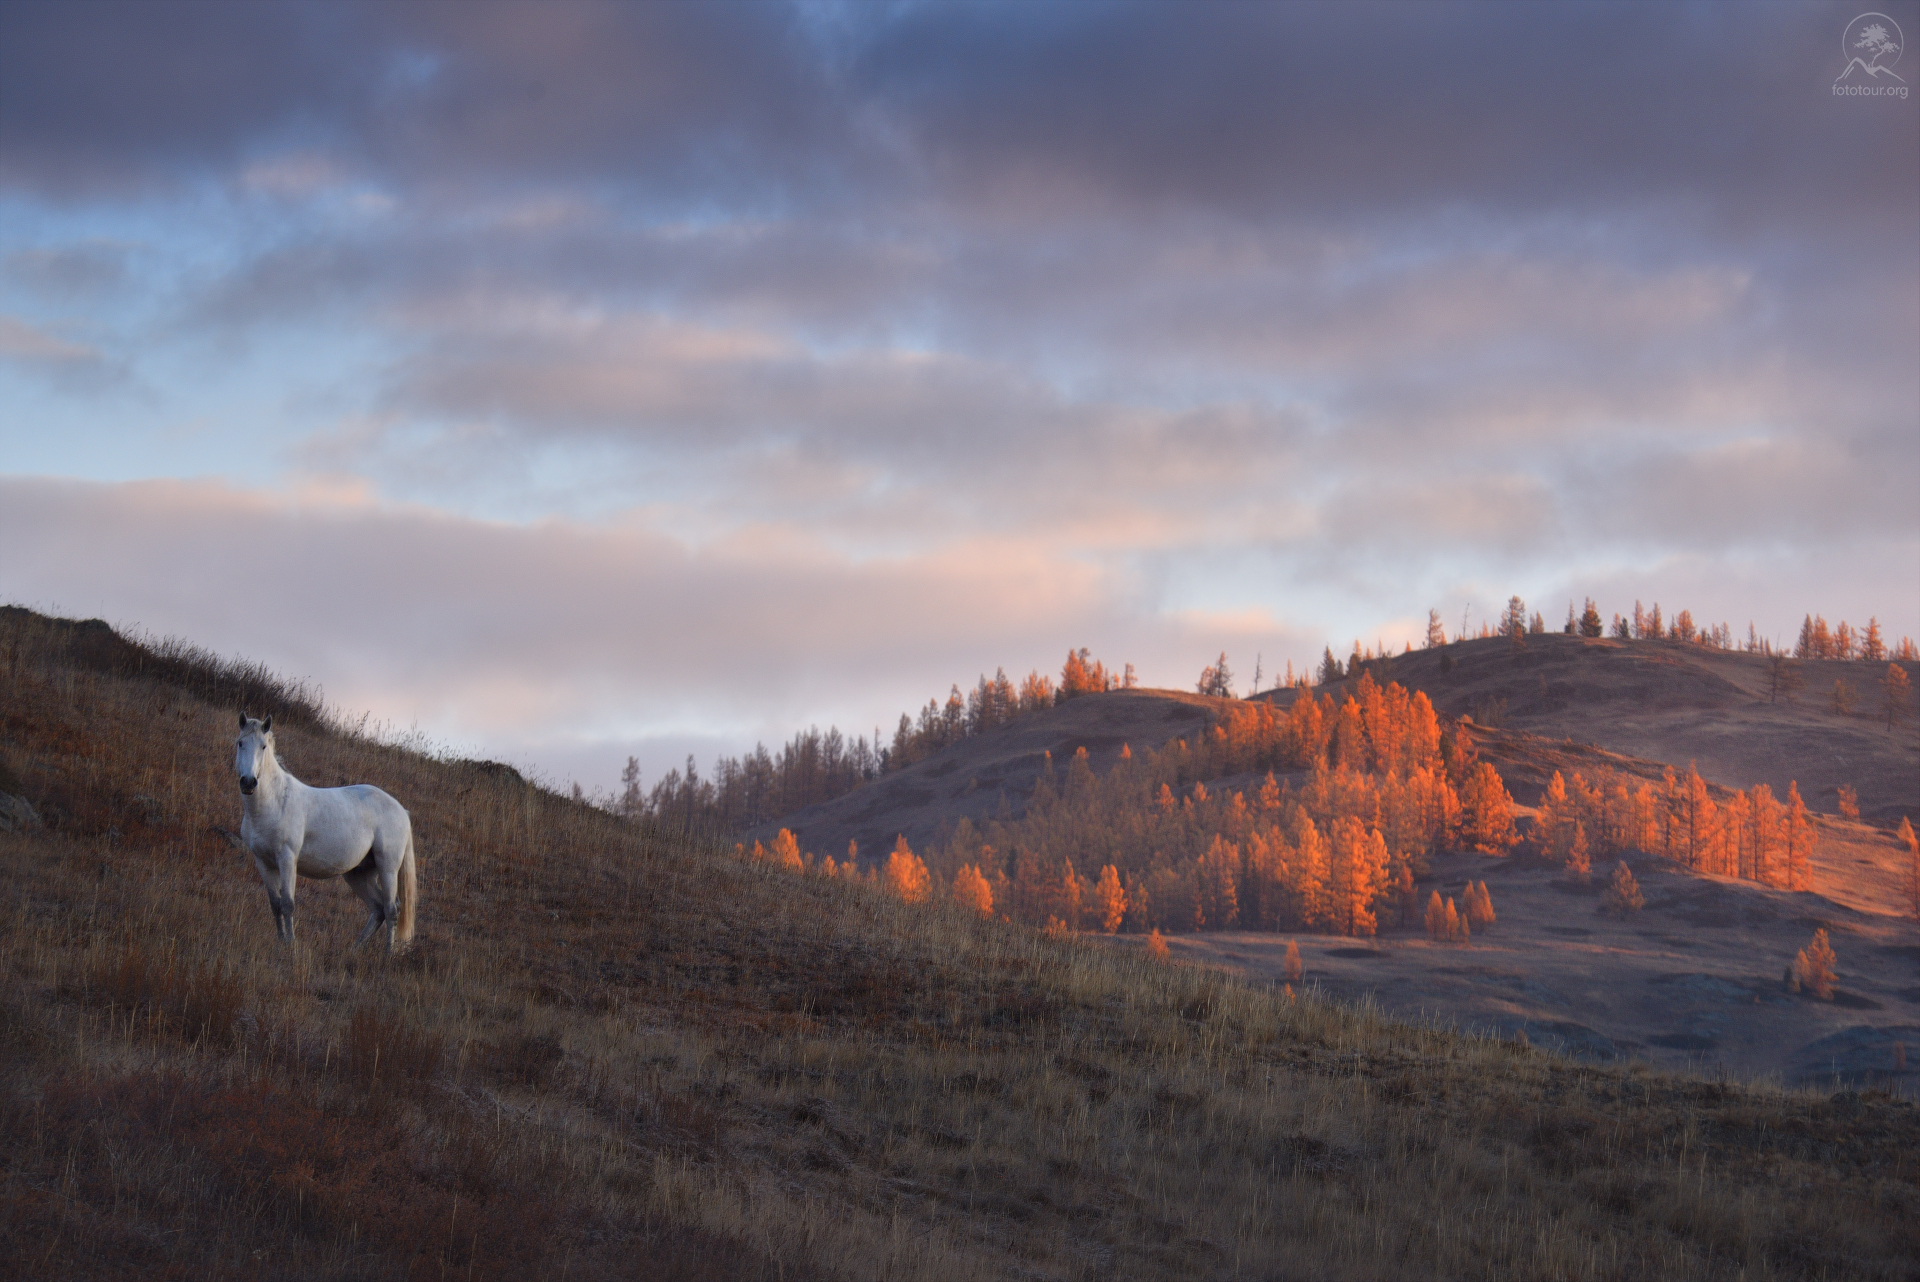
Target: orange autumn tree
(1379, 786)
(1486, 813)
(906, 875)
(1110, 900)
(1813, 967)
(972, 890)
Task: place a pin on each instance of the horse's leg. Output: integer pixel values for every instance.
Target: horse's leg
(270, 878)
(365, 882)
(289, 865)
(387, 882)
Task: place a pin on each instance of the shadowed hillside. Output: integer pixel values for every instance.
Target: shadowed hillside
(1643, 704)
(615, 1055)
(1669, 701)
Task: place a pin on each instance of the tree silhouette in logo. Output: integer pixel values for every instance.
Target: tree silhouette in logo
(1875, 38)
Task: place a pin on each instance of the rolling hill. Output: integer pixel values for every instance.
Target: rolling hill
(616, 1053)
(1644, 704)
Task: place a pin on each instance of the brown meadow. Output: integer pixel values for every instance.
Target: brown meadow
(617, 1052)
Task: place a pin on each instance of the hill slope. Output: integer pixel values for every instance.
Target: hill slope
(1657, 702)
(612, 1055)
(1668, 701)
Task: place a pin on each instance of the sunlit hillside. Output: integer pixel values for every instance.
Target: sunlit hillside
(612, 1053)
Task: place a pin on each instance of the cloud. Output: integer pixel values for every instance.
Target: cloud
(873, 342)
(85, 269)
(510, 636)
(61, 362)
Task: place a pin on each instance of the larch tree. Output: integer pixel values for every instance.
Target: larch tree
(1799, 838)
(1290, 967)
(1590, 625)
(1514, 618)
(1623, 893)
(1905, 836)
(1847, 801)
(1436, 634)
(1436, 917)
(1873, 645)
(1813, 967)
(1486, 812)
(905, 875)
(1217, 679)
(1312, 874)
(1479, 906)
(1579, 860)
(1110, 899)
(1896, 694)
(786, 852)
(972, 890)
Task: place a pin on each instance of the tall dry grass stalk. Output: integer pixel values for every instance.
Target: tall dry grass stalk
(615, 1053)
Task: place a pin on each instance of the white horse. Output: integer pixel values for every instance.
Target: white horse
(357, 832)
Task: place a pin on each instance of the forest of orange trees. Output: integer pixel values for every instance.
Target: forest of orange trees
(1149, 846)
(815, 766)
(1386, 784)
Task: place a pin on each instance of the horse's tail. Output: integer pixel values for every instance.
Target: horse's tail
(409, 892)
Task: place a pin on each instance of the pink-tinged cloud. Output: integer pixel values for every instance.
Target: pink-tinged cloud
(519, 636)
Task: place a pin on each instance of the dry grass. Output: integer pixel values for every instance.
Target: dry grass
(617, 1055)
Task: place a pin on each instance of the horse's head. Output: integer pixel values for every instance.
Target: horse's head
(252, 750)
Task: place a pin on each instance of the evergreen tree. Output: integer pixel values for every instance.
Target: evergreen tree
(1590, 625)
(1330, 670)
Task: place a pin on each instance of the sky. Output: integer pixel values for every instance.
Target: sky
(570, 381)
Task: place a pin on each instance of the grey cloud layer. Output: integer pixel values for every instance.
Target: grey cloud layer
(1347, 308)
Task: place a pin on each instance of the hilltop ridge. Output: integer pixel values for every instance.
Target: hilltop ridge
(1649, 703)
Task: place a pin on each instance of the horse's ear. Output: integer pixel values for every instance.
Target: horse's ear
(243, 718)
(267, 725)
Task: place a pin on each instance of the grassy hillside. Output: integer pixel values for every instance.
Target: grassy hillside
(611, 1055)
(1655, 702)
(1669, 701)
